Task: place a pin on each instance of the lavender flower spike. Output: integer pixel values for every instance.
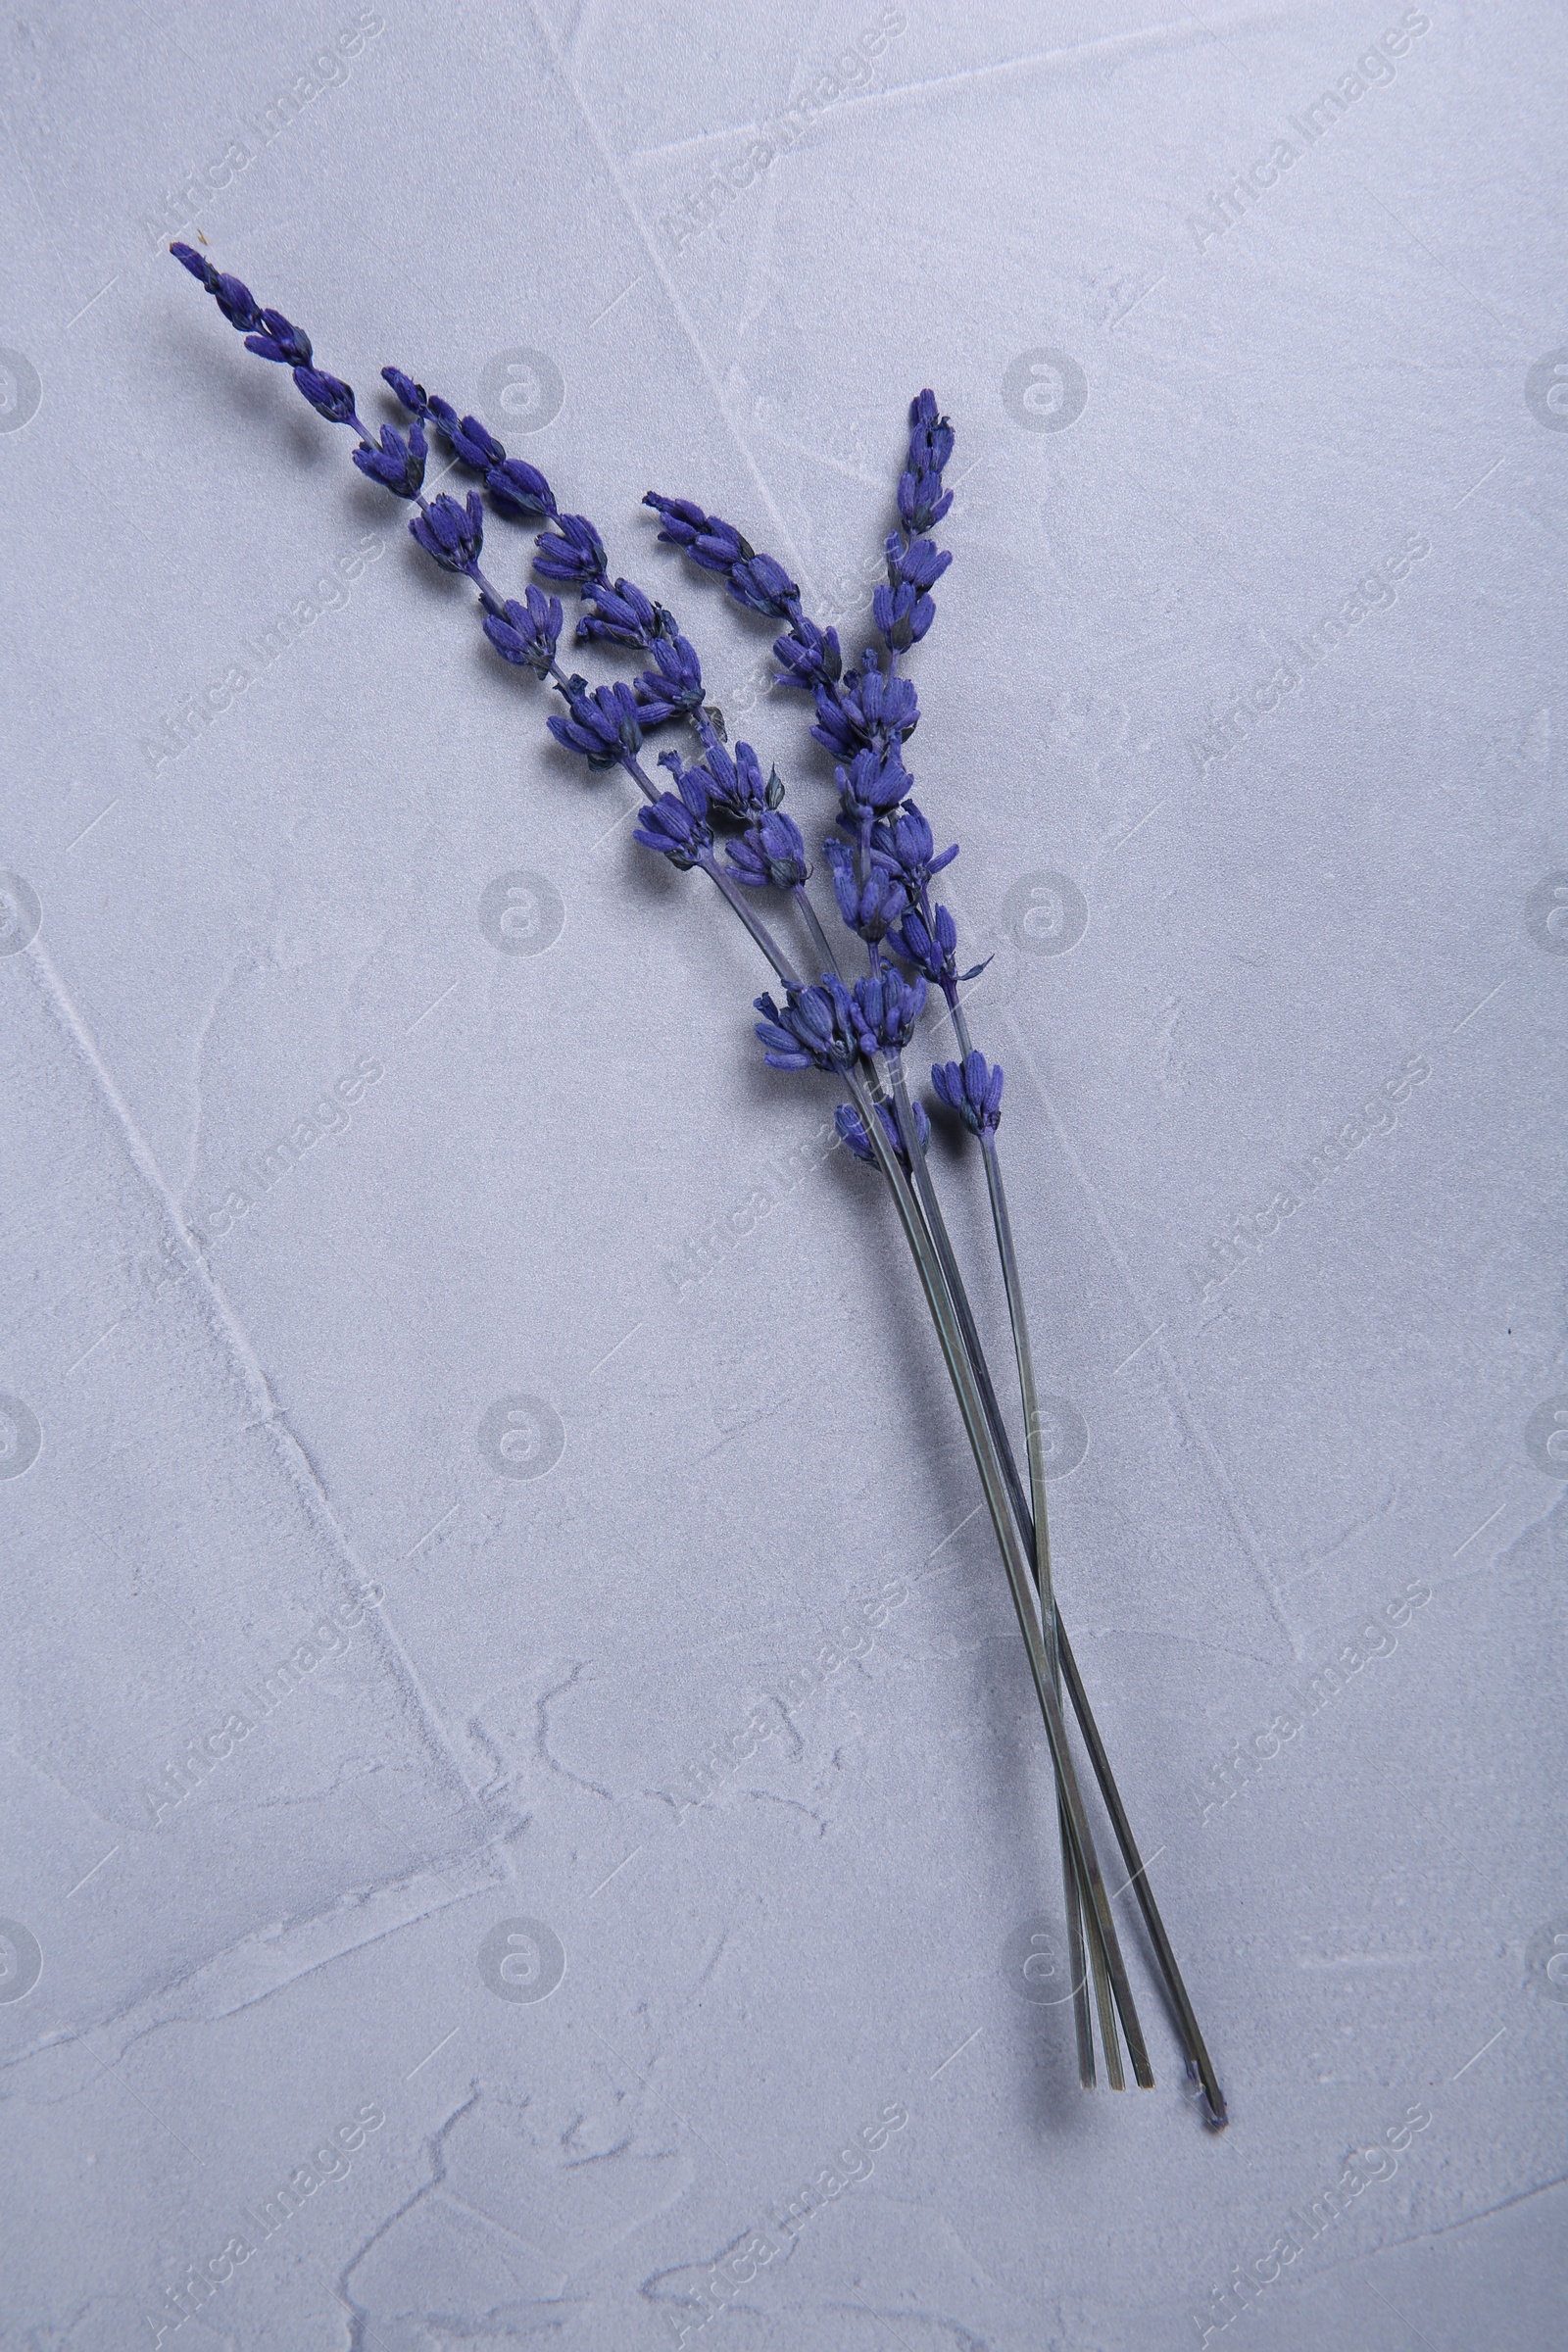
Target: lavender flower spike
(758, 581)
(922, 501)
(270, 336)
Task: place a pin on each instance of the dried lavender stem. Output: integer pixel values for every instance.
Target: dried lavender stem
(820, 938)
(1019, 1580)
(967, 1364)
(1048, 1600)
(1071, 1881)
(1072, 1894)
(1199, 2063)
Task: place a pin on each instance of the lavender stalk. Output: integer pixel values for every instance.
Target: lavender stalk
(1015, 1563)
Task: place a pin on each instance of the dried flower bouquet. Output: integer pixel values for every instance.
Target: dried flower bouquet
(853, 1026)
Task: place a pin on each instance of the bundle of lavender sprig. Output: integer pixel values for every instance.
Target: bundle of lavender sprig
(883, 861)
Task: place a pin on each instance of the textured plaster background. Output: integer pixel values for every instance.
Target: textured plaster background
(1288, 868)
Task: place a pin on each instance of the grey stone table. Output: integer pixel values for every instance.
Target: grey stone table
(463, 1884)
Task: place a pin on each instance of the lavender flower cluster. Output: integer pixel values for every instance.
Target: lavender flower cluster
(883, 858)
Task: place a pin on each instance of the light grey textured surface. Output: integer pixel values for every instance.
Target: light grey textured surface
(561, 1174)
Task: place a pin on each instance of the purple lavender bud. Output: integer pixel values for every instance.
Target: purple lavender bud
(719, 546)
(815, 1029)
(722, 783)
(973, 1089)
(450, 534)
(922, 501)
(886, 1008)
(922, 563)
(235, 300)
(282, 341)
(870, 907)
(872, 783)
(673, 688)
(398, 465)
(902, 615)
(232, 297)
(760, 795)
(761, 586)
(676, 823)
(770, 854)
(847, 1119)
(807, 655)
(572, 551)
(470, 442)
(603, 725)
(930, 947)
(707, 538)
(930, 436)
(443, 416)
(871, 709)
(411, 395)
(682, 520)
(621, 614)
(519, 489)
(837, 727)
(907, 842)
(527, 635)
(888, 705)
(328, 395)
(748, 779)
